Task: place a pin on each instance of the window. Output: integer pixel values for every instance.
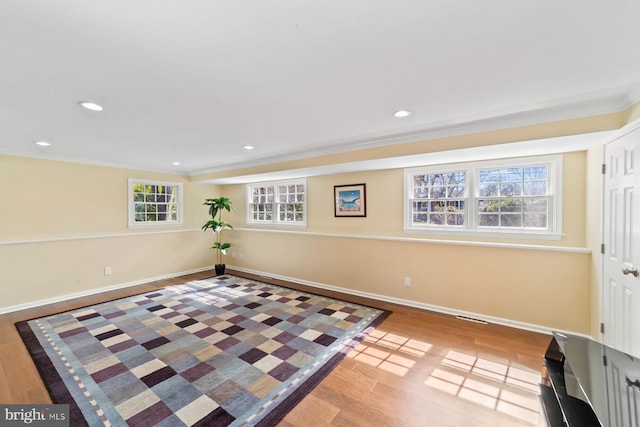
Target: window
(514, 197)
(281, 202)
(154, 203)
(439, 198)
(517, 197)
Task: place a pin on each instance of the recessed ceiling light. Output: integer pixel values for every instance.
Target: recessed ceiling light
(42, 143)
(91, 106)
(176, 163)
(402, 113)
(248, 147)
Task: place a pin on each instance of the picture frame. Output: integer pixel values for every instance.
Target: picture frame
(350, 200)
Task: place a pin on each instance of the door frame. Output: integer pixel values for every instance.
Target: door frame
(624, 130)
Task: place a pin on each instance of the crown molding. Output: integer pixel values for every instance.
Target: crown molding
(604, 102)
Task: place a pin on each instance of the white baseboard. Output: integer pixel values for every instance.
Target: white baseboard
(42, 302)
(385, 298)
(415, 304)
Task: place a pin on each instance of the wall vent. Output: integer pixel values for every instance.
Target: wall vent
(471, 319)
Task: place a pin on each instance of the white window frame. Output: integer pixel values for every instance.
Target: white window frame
(163, 223)
(275, 220)
(471, 224)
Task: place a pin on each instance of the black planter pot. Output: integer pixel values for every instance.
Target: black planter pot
(220, 269)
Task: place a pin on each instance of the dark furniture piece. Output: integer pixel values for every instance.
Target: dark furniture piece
(589, 384)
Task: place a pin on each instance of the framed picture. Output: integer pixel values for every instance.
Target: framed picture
(350, 200)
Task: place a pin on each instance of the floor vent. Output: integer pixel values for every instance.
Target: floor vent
(471, 319)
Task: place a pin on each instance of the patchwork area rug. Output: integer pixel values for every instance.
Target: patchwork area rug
(215, 352)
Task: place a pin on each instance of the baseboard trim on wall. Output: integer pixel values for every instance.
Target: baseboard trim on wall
(42, 302)
(409, 303)
(266, 275)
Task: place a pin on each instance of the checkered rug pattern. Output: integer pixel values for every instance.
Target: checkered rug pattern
(214, 352)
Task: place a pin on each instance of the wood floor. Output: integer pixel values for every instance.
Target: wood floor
(418, 368)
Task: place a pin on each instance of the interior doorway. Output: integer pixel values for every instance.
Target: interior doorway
(621, 238)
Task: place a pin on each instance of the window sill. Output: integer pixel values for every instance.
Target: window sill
(276, 224)
(489, 233)
(155, 224)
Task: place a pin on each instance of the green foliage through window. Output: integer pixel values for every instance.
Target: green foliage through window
(277, 202)
(154, 202)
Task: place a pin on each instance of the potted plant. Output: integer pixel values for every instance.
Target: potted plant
(216, 206)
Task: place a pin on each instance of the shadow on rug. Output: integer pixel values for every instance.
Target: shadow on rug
(221, 351)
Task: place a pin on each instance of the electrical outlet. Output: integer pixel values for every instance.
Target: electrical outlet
(241, 255)
(107, 271)
(407, 282)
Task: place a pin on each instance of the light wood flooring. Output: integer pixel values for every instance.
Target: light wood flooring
(418, 368)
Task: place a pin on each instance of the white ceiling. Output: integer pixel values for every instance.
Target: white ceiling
(193, 81)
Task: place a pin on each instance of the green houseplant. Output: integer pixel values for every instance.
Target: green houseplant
(216, 206)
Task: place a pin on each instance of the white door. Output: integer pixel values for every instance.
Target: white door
(622, 386)
(621, 293)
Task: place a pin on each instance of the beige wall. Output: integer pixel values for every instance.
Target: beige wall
(56, 237)
(593, 227)
(633, 113)
(517, 289)
(385, 205)
(62, 223)
(506, 282)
